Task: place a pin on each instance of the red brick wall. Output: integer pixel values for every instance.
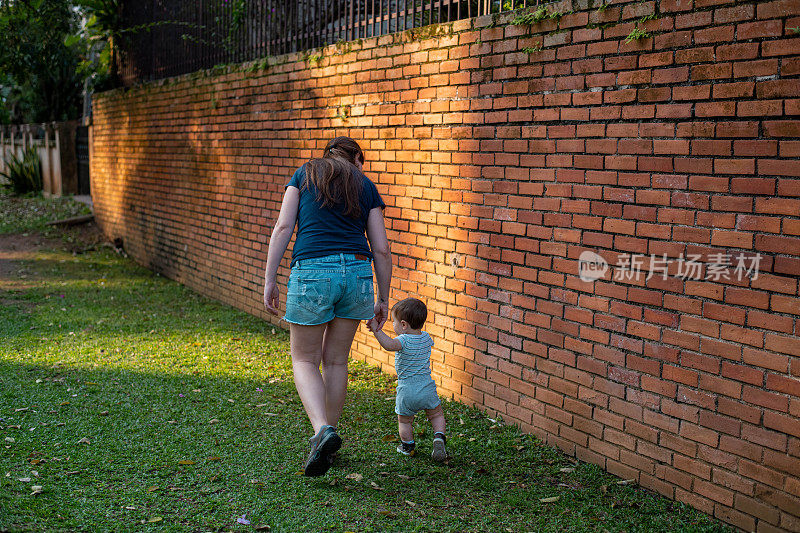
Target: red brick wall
(500, 164)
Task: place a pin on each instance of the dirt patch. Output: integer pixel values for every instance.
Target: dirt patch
(17, 249)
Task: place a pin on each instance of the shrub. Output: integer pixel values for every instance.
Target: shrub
(23, 173)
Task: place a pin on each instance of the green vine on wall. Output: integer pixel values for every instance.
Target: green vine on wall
(342, 112)
(533, 49)
(540, 14)
(636, 34)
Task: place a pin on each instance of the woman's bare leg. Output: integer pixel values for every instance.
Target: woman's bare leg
(335, 352)
(306, 349)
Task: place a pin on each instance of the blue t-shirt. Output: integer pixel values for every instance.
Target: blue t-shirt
(324, 231)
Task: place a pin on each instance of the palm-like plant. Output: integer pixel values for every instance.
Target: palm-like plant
(23, 173)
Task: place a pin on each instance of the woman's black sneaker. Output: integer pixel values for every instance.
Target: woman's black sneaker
(323, 445)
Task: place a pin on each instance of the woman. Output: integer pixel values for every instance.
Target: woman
(330, 287)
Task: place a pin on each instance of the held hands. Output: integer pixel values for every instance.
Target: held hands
(271, 297)
(381, 311)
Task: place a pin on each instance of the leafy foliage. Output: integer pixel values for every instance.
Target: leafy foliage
(42, 72)
(23, 173)
(105, 17)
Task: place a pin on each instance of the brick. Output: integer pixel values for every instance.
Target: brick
(783, 384)
(764, 437)
(747, 69)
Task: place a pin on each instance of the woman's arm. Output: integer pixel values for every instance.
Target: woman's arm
(281, 234)
(382, 257)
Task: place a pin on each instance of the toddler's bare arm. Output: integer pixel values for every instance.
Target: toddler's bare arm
(386, 341)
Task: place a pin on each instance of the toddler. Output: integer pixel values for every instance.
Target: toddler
(415, 387)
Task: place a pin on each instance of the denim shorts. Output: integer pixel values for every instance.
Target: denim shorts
(326, 287)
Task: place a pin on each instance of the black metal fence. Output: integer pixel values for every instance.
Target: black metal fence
(171, 37)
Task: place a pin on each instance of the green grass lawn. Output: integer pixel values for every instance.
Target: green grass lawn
(134, 404)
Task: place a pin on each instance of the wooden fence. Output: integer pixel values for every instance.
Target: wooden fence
(55, 144)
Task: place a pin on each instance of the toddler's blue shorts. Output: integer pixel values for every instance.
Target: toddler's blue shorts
(414, 396)
(322, 288)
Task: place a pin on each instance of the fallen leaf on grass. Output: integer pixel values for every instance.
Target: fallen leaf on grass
(270, 414)
(21, 409)
(72, 472)
(215, 458)
(549, 500)
(37, 489)
(354, 476)
(130, 508)
(213, 421)
(567, 470)
(263, 527)
(104, 413)
(243, 520)
(626, 481)
(24, 479)
(10, 440)
(65, 402)
(375, 485)
(152, 489)
(84, 440)
(89, 383)
(186, 462)
(390, 438)
(13, 427)
(385, 512)
(154, 520)
(412, 504)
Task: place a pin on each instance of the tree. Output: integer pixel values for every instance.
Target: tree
(43, 61)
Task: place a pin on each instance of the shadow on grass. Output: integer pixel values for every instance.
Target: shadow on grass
(191, 422)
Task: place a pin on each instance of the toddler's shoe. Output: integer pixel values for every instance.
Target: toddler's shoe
(407, 448)
(323, 445)
(439, 453)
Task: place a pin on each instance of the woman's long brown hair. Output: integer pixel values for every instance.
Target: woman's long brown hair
(336, 177)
